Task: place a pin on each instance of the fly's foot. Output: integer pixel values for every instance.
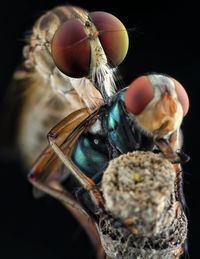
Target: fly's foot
(184, 158)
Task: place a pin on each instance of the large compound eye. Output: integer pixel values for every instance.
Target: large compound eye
(182, 96)
(138, 95)
(112, 35)
(71, 50)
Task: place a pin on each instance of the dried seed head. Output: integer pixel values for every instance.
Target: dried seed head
(139, 191)
(138, 187)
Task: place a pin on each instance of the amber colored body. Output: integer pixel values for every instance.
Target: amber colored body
(46, 94)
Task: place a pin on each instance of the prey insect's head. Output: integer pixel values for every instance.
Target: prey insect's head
(80, 44)
(158, 104)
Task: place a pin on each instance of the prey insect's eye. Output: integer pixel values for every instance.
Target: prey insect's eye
(112, 35)
(71, 49)
(182, 96)
(138, 95)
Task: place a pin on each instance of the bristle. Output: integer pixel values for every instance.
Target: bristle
(104, 77)
(87, 93)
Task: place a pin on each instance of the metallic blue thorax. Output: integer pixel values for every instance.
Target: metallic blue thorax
(116, 133)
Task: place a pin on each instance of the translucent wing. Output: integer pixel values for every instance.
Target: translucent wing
(45, 94)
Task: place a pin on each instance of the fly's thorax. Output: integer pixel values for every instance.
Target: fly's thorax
(99, 125)
(46, 26)
(96, 128)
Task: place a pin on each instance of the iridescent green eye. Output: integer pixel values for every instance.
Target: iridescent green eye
(71, 48)
(113, 36)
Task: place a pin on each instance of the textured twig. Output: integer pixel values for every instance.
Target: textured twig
(144, 218)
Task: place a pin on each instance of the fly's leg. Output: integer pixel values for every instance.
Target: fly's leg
(56, 190)
(167, 150)
(86, 182)
(38, 171)
(171, 149)
(88, 224)
(175, 141)
(62, 139)
(64, 133)
(57, 193)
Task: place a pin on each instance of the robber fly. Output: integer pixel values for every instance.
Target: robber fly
(68, 81)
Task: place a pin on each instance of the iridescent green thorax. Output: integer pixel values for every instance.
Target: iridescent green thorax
(117, 135)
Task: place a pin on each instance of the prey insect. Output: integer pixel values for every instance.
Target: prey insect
(69, 77)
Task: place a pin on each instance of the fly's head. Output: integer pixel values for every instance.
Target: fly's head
(158, 103)
(89, 41)
(76, 50)
(88, 46)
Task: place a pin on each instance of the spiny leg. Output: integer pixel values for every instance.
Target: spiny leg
(176, 142)
(86, 182)
(167, 150)
(34, 178)
(38, 175)
(88, 224)
(57, 191)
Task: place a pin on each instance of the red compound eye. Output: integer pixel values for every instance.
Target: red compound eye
(113, 36)
(71, 49)
(182, 96)
(138, 95)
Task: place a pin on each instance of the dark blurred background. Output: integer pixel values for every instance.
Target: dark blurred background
(165, 41)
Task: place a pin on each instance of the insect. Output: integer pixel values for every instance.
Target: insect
(69, 82)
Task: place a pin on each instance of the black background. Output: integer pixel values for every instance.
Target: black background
(165, 40)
